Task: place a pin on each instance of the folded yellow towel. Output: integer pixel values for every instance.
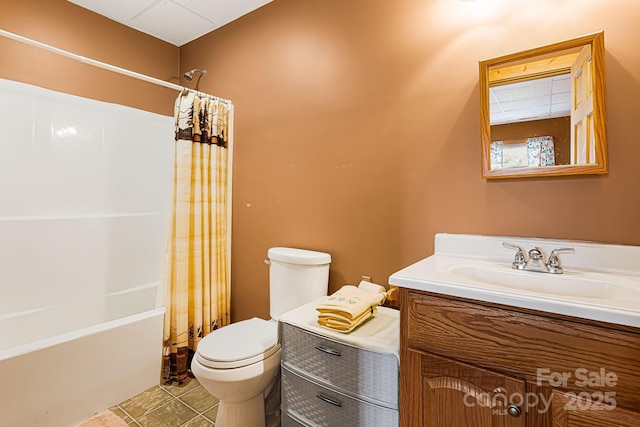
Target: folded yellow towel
(337, 322)
(350, 301)
(348, 308)
(339, 317)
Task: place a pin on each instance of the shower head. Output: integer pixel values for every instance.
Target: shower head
(189, 75)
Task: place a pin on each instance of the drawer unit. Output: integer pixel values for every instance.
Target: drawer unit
(335, 379)
(369, 375)
(314, 404)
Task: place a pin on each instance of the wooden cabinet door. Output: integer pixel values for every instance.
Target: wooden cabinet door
(573, 410)
(460, 395)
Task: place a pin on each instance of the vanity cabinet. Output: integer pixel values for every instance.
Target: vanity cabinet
(572, 411)
(458, 394)
(468, 363)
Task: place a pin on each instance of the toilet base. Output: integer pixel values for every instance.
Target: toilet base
(249, 413)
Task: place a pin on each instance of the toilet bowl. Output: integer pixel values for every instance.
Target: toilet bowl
(239, 363)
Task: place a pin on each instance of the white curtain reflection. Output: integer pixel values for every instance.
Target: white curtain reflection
(527, 152)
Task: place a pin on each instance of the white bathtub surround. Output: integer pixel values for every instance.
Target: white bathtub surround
(196, 270)
(85, 194)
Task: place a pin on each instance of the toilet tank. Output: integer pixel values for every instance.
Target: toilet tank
(296, 277)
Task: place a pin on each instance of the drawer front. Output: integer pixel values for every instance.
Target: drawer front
(288, 420)
(365, 374)
(316, 405)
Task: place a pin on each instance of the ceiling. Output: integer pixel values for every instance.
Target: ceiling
(180, 21)
(537, 99)
(175, 21)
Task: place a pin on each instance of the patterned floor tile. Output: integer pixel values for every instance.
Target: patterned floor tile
(199, 421)
(173, 414)
(146, 402)
(119, 412)
(199, 399)
(211, 414)
(179, 389)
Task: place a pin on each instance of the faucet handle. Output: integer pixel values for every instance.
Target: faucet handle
(554, 262)
(536, 254)
(519, 261)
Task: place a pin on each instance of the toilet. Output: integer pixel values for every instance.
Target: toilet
(239, 363)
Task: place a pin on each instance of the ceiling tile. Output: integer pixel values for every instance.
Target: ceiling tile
(118, 10)
(527, 104)
(172, 23)
(532, 99)
(561, 98)
(562, 84)
(222, 11)
(561, 109)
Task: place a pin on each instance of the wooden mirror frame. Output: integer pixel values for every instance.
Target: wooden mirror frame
(596, 41)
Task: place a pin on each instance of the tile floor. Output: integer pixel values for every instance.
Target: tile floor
(170, 405)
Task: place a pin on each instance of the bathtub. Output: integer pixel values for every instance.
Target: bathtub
(79, 330)
(85, 190)
(68, 376)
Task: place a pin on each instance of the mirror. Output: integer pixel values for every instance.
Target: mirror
(542, 111)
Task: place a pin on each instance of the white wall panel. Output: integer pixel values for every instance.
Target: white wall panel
(84, 197)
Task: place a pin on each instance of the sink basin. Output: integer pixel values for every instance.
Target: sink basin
(600, 282)
(580, 285)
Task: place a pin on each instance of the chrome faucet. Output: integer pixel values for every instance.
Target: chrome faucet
(520, 260)
(536, 259)
(554, 262)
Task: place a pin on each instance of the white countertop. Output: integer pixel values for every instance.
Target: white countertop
(381, 333)
(610, 272)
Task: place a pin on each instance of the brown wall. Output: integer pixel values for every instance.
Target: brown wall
(356, 124)
(66, 26)
(357, 131)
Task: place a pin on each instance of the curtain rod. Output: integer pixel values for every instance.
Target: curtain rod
(99, 64)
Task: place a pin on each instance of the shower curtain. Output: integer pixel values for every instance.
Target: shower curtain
(196, 263)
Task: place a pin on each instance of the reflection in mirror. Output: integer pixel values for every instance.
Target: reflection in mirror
(542, 111)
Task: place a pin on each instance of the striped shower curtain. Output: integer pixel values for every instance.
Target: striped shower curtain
(195, 278)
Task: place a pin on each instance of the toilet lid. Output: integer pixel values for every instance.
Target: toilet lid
(239, 344)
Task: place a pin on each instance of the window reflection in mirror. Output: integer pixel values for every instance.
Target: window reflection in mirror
(542, 111)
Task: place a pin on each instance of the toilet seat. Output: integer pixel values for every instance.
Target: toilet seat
(239, 344)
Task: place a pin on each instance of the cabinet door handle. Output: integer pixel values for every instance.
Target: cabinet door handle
(514, 411)
(333, 402)
(328, 350)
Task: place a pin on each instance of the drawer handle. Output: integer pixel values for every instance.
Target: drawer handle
(329, 400)
(328, 350)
